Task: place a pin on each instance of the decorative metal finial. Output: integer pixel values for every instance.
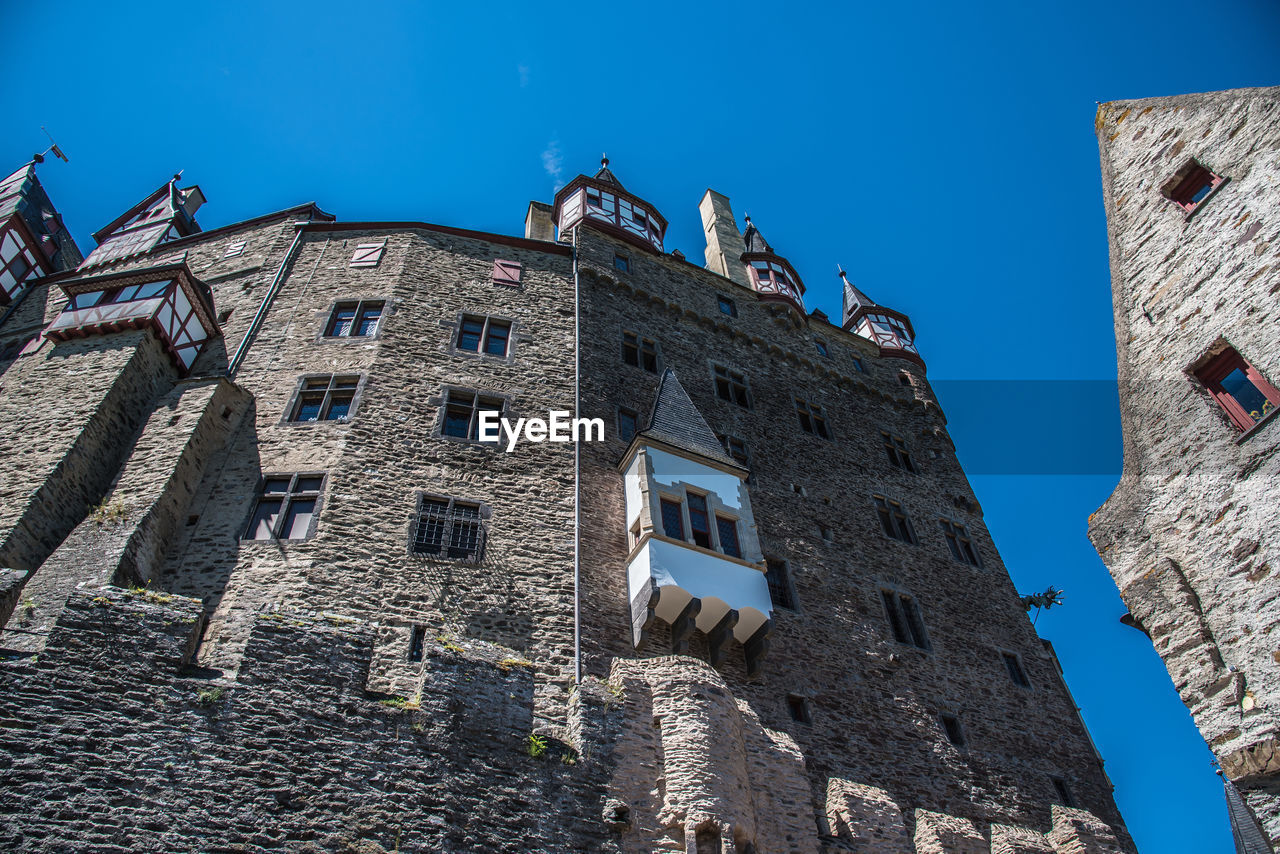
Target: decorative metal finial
(747, 217)
(604, 161)
(843, 275)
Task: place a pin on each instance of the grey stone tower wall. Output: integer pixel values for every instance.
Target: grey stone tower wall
(1190, 533)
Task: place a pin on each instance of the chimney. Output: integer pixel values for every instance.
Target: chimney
(192, 199)
(724, 241)
(538, 224)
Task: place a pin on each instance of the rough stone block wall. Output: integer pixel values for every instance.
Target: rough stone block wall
(1189, 534)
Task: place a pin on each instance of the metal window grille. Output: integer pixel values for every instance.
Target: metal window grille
(448, 528)
(779, 582)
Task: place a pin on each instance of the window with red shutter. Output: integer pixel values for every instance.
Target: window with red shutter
(506, 272)
(1239, 389)
(1191, 185)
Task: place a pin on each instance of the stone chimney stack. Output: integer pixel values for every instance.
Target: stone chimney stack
(724, 242)
(538, 224)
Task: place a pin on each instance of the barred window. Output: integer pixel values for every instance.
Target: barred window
(960, 543)
(732, 386)
(904, 618)
(354, 319)
(778, 578)
(449, 528)
(812, 418)
(896, 448)
(640, 352)
(487, 335)
(893, 520)
(461, 413)
(327, 398)
(286, 508)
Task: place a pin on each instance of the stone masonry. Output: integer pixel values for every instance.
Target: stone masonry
(187, 669)
(1190, 533)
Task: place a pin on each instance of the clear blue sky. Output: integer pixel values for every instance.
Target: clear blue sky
(942, 152)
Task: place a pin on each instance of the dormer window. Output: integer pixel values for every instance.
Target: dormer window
(1191, 185)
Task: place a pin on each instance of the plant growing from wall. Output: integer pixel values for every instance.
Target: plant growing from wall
(536, 745)
(108, 512)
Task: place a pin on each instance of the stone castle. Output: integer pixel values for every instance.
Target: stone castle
(268, 587)
(1191, 185)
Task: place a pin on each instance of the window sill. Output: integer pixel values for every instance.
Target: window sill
(1264, 421)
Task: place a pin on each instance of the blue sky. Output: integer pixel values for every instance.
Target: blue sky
(943, 153)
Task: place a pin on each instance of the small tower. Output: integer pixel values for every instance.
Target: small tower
(167, 214)
(602, 200)
(33, 240)
(772, 276)
(889, 329)
(695, 560)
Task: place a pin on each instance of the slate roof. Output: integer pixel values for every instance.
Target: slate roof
(22, 194)
(605, 175)
(1248, 836)
(675, 421)
(854, 299)
(755, 240)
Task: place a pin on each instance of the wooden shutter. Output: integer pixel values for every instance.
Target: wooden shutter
(368, 254)
(506, 272)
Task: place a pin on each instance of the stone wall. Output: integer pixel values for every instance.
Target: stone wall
(1189, 534)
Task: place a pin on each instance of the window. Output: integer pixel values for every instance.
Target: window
(904, 618)
(799, 708)
(1190, 185)
(896, 448)
(1238, 388)
(485, 335)
(858, 366)
(728, 530)
(699, 523)
(821, 347)
(727, 306)
(448, 527)
(812, 418)
(417, 642)
(1063, 793)
(736, 449)
(327, 398)
(960, 543)
(1013, 664)
(506, 273)
(461, 411)
(628, 419)
(672, 519)
(894, 521)
(640, 352)
(904, 378)
(368, 254)
(732, 386)
(354, 319)
(951, 726)
(286, 507)
(622, 263)
(779, 580)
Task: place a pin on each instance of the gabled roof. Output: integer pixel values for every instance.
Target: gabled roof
(165, 189)
(675, 421)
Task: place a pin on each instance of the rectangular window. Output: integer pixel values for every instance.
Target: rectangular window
(628, 419)
(487, 335)
(904, 618)
(896, 448)
(507, 273)
(799, 708)
(960, 543)
(1062, 791)
(736, 449)
(356, 319)
(368, 254)
(1190, 185)
(1238, 388)
(1014, 665)
(622, 263)
(821, 347)
(951, 726)
(286, 507)
(727, 306)
(893, 520)
(779, 580)
(461, 413)
(450, 528)
(727, 529)
(812, 418)
(699, 523)
(640, 352)
(673, 519)
(732, 386)
(858, 366)
(417, 643)
(329, 398)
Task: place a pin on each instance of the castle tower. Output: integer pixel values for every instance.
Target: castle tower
(33, 240)
(887, 328)
(1190, 534)
(602, 200)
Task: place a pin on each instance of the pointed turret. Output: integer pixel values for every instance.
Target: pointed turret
(891, 330)
(772, 276)
(33, 240)
(164, 215)
(675, 421)
(602, 200)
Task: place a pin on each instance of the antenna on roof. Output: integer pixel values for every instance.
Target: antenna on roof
(53, 147)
